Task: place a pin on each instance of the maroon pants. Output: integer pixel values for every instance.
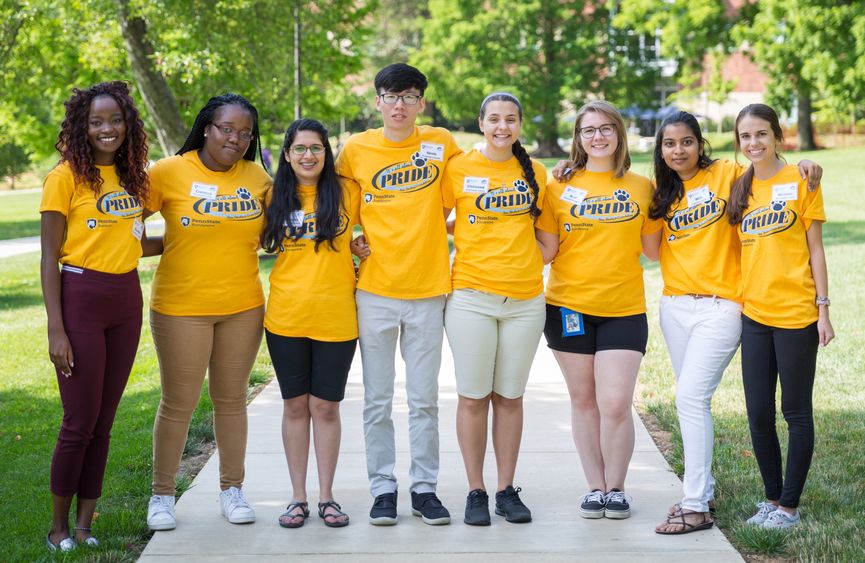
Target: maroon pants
(102, 318)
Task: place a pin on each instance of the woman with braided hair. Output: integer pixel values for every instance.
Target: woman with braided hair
(495, 315)
(91, 226)
(207, 306)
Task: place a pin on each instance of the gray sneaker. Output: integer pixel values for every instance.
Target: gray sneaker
(781, 520)
(764, 509)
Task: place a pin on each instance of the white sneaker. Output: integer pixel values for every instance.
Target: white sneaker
(235, 508)
(781, 520)
(764, 509)
(160, 513)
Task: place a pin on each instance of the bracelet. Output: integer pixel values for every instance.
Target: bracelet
(823, 301)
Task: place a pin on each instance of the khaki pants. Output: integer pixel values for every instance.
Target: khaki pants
(225, 346)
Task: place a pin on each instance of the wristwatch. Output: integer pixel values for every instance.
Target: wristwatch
(823, 301)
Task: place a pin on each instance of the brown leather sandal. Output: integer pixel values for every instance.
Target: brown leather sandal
(678, 519)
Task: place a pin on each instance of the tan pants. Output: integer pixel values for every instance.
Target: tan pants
(225, 346)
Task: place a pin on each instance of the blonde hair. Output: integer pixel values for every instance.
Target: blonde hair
(621, 158)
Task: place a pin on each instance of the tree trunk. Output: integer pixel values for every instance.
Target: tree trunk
(158, 97)
(806, 130)
(548, 144)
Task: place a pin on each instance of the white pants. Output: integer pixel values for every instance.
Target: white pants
(493, 339)
(418, 325)
(702, 335)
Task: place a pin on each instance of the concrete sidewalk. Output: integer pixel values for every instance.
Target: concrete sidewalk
(548, 471)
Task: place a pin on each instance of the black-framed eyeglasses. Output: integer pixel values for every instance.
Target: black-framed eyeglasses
(243, 135)
(407, 99)
(607, 130)
(300, 150)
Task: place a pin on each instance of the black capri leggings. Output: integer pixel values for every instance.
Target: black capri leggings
(304, 365)
(770, 353)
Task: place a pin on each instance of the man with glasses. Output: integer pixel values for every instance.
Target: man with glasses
(402, 285)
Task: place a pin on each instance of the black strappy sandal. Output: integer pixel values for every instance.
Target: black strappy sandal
(286, 520)
(334, 522)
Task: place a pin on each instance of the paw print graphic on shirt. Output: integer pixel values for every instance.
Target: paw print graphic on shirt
(621, 195)
(778, 205)
(521, 186)
(418, 160)
(243, 193)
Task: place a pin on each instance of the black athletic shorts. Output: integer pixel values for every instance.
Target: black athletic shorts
(304, 365)
(601, 333)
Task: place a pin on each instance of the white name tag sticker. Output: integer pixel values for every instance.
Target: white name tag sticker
(432, 151)
(574, 195)
(473, 185)
(206, 191)
(698, 196)
(296, 218)
(137, 228)
(785, 192)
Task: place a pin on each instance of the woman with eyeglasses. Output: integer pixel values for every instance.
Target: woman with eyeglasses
(596, 309)
(311, 319)
(207, 305)
(91, 226)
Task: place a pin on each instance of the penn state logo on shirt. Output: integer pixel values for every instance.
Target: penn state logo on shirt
(768, 220)
(616, 208)
(91, 224)
(406, 177)
(699, 216)
(514, 199)
(239, 206)
(184, 221)
(119, 204)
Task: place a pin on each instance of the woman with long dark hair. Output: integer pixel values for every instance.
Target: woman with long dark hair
(207, 306)
(700, 309)
(311, 319)
(495, 315)
(786, 308)
(91, 226)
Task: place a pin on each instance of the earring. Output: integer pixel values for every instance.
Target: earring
(205, 135)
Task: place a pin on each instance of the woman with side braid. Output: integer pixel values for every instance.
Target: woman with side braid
(495, 315)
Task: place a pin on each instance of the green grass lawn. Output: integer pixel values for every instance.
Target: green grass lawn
(832, 527)
(19, 215)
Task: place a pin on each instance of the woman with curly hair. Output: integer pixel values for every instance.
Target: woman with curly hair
(207, 307)
(91, 225)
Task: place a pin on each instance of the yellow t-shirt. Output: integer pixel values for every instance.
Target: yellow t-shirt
(213, 221)
(401, 210)
(699, 248)
(101, 232)
(312, 293)
(494, 234)
(779, 288)
(600, 220)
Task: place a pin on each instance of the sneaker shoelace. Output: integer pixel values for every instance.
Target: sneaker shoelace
(766, 510)
(615, 497)
(160, 505)
(594, 496)
(478, 499)
(777, 515)
(513, 496)
(238, 500)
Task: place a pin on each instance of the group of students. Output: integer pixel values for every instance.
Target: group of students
(726, 236)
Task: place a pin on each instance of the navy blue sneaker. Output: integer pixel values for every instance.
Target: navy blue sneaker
(509, 505)
(430, 509)
(383, 512)
(477, 508)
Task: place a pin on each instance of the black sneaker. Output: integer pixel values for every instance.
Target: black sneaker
(592, 504)
(430, 509)
(383, 512)
(509, 505)
(616, 505)
(477, 508)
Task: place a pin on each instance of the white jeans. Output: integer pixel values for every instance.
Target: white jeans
(702, 335)
(418, 325)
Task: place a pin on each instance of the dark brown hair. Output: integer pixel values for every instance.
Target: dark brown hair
(740, 194)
